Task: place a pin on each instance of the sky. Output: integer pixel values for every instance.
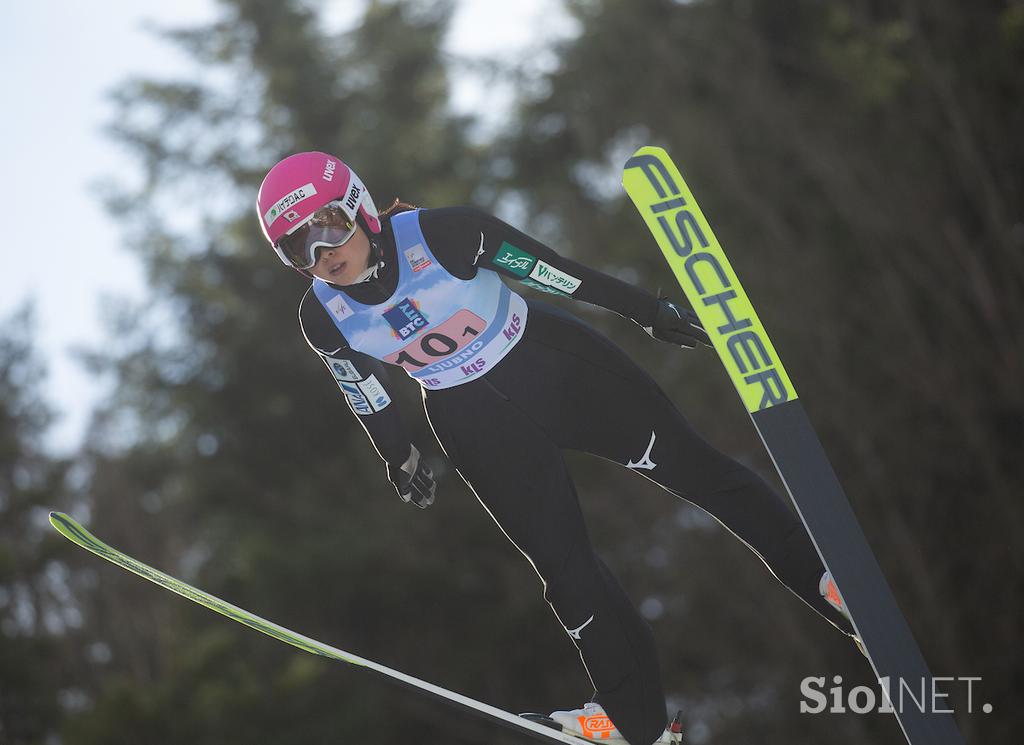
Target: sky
(61, 61)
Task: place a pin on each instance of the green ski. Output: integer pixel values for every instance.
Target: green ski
(661, 195)
(549, 732)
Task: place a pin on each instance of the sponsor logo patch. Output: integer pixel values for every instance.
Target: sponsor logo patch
(360, 404)
(548, 275)
(405, 318)
(288, 201)
(339, 308)
(367, 396)
(417, 257)
(514, 259)
(375, 393)
(344, 370)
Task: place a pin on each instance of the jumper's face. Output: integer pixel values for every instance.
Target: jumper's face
(341, 265)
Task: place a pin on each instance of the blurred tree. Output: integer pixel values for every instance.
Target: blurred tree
(35, 615)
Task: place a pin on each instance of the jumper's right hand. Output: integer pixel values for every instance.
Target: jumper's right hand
(414, 480)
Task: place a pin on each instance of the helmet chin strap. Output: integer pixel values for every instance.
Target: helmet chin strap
(374, 264)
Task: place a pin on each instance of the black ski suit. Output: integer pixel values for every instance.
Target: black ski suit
(566, 386)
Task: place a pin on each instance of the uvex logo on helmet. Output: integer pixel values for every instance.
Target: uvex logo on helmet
(329, 169)
(352, 200)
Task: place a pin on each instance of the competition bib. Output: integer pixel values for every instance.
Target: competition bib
(444, 331)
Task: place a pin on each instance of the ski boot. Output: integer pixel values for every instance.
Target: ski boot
(590, 723)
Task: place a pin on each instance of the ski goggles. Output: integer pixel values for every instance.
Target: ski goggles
(328, 227)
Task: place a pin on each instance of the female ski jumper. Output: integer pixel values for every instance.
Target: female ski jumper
(508, 384)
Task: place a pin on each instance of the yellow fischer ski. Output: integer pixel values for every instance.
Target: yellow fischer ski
(696, 258)
(704, 273)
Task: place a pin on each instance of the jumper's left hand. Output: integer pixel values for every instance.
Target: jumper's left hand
(414, 480)
(677, 325)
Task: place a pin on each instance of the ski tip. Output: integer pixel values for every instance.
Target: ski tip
(61, 522)
(57, 520)
(649, 150)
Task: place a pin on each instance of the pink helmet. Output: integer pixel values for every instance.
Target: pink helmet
(301, 184)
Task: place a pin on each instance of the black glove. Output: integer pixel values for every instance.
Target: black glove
(677, 325)
(414, 480)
